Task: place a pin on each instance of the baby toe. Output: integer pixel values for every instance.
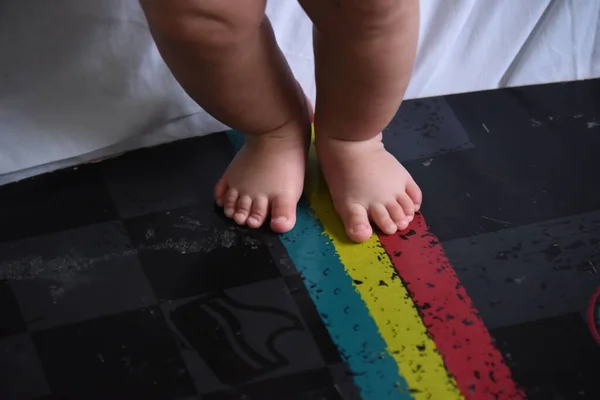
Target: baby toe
(220, 192)
(397, 214)
(414, 192)
(231, 199)
(356, 221)
(381, 217)
(407, 205)
(242, 211)
(260, 208)
(283, 213)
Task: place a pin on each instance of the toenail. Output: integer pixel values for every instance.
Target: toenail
(410, 218)
(252, 220)
(358, 228)
(280, 219)
(417, 207)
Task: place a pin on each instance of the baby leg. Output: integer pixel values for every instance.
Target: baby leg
(225, 56)
(364, 52)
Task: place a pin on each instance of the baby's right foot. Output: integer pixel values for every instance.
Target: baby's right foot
(266, 177)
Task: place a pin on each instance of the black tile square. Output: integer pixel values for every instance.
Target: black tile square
(187, 252)
(530, 272)
(75, 275)
(312, 385)
(54, 202)
(280, 255)
(526, 165)
(344, 382)
(313, 320)
(124, 356)
(21, 373)
(10, 314)
(169, 176)
(552, 358)
(425, 128)
(567, 105)
(244, 334)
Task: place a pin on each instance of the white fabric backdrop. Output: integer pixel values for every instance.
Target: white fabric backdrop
(81, 79)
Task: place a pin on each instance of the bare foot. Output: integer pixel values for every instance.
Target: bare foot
(266, 177)
(368, 183)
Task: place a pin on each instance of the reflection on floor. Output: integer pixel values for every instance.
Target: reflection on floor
(121, 280)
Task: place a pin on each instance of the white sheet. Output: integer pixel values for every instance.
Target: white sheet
(81, 79)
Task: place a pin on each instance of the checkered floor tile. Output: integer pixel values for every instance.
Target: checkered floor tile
(122, 280)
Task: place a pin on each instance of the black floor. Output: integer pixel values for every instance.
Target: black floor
(118, 279)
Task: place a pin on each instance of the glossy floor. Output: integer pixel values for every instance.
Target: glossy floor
(121, 279)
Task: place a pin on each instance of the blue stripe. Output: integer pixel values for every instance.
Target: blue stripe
(345, 315)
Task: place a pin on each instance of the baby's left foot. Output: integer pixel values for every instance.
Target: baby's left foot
(368, 183)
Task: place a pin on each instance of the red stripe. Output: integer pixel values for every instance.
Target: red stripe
(449, 315)
(591, 314)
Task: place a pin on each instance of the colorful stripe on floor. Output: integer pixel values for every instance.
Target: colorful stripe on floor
(449, 314)
(395, 352)
(343, 311)
(387, 300)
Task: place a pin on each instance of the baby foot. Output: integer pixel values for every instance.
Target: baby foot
(266, 177)
(368, 183)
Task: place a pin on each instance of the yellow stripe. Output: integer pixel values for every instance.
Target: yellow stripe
(387, 300)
